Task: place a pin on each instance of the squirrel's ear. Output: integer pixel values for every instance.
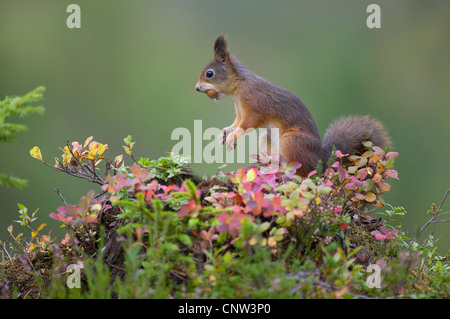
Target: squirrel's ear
(221, 49)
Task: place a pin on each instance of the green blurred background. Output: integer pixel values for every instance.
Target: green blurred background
(132, 67)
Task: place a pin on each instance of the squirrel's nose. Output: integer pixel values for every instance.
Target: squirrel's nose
(198, 86)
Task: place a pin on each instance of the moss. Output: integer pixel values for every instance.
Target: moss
(21, 276)
(359, 235)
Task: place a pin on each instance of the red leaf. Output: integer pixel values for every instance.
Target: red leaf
(391, 173)
(276, 201)
(312, 173)
(350, 186)
(240, 174)
(343, 225)
(136, 170)
(335, 164)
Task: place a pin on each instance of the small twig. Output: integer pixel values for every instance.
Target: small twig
(95, 173)
(60, 196)
(6, 251)
(441, 221)
(433, 218)
(24, 297)
(443, 200)
(114, 266)
(76, 158)
(81, 175)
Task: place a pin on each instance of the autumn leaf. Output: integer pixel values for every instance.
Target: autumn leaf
(40, 227)
(118, 160)
(343, 225)
(368, 154)
(384, 186)
(88, 140)
(377, 178)
(36, 153)
(370, 197)
(361, 162)
(391, 173)
(378, 149)
(67, 157)
(251, 175)
(352, 169)
(393, 155)
(271, 242)
(127, 150)
(91, 218)
(360, 196)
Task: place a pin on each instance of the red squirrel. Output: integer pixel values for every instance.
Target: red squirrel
(259, 103)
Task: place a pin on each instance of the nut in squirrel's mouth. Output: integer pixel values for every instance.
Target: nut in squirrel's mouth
(213, 94)
(209, 90)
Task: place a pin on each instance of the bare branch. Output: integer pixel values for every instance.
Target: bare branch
(60, 196)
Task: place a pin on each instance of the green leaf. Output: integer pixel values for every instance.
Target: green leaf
(390, 163)
(367, 144)
(368, 154)
(184, 239)
(12, 181)
(361, 162)
(171, 247)
(264, 226)
(352, 169)
(378, 149)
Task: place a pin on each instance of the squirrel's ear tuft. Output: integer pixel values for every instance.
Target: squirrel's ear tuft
(221, 49)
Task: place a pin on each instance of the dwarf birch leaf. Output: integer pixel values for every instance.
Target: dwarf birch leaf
(36, 153)
(370, 197)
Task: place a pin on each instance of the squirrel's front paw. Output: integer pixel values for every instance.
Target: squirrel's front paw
(223, 136)
(230, 142)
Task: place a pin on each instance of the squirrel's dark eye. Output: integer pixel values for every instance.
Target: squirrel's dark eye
(209, 74)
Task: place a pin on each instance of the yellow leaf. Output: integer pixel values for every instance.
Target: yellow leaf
(88, 140)
(33, 234)
(67, 157)
(340, 293)
(40, 227)
(90, 156)
(93, 146)
(118, 160)
(36, 153)
(271, 242)
(31, 247)
(101, 148)
(370, 197)
(96, 207)
(251, 175)
(127, 150)
(10, 229)
(98, 162)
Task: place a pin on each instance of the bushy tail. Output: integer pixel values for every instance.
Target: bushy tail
(348, 133)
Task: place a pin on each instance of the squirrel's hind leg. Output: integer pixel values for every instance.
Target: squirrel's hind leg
(303, 148)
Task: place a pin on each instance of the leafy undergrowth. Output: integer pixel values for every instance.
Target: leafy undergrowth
(155, 230)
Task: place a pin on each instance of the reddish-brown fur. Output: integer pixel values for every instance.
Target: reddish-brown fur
(260, 103)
